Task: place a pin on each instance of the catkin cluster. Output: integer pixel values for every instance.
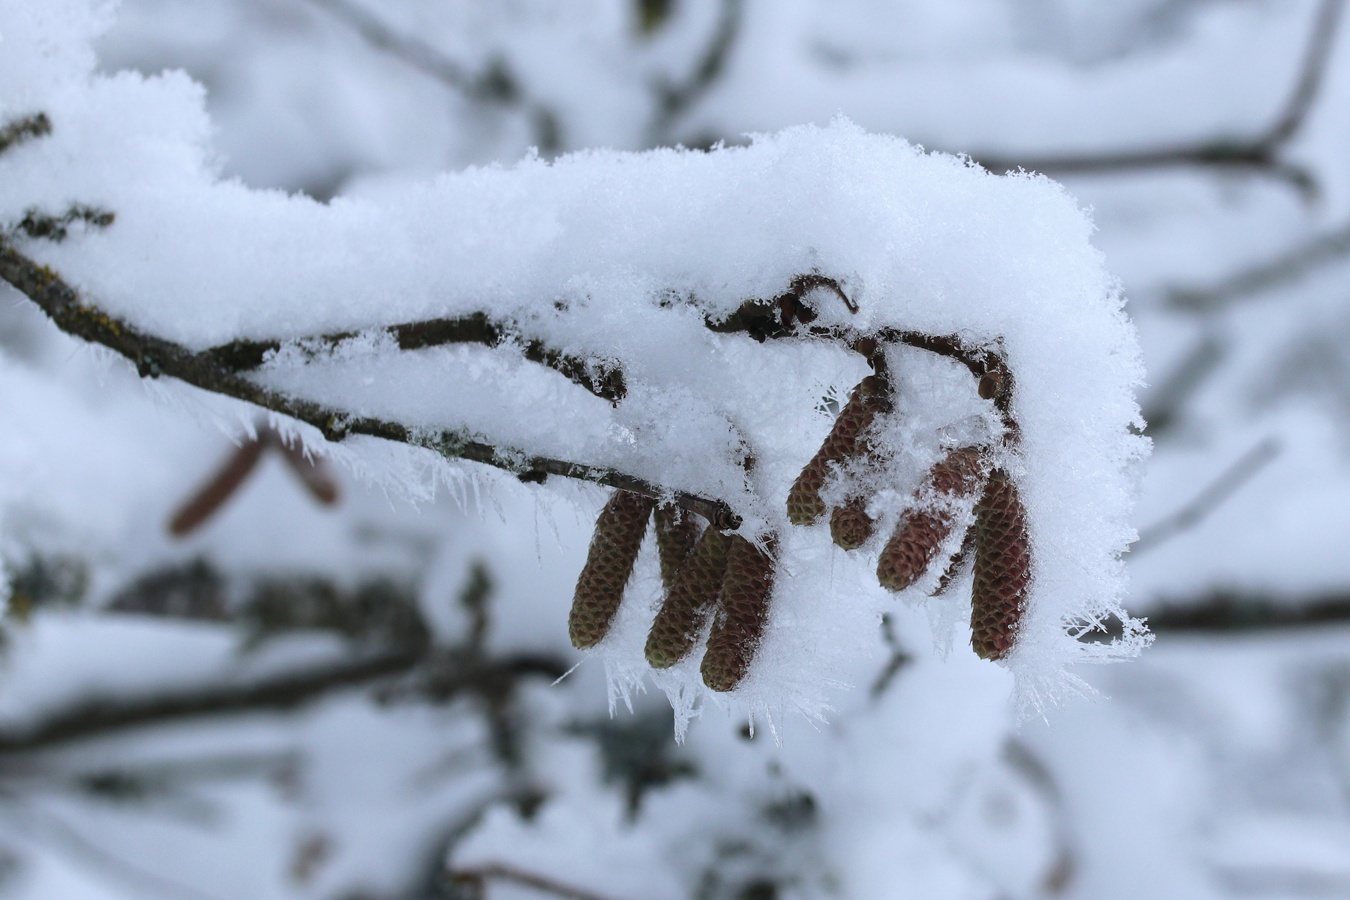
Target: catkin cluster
(720, 583)
(707, 575)
(998, 540)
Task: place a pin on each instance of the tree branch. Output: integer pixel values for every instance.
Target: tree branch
(678, 98)
(1258, 153)
(101, 716)
(604, 380)
(493, 86)
(1229, 482)
(1293, 266)
(154, 356)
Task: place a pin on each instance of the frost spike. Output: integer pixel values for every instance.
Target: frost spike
(919, 534)
(676, 533)
(741, 615)
(804, 504)
(692, 595)
(1002, 568)
(619, 530)
(958, 562)
(850, 525)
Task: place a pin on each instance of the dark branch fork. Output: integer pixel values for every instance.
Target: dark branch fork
(1258, 153)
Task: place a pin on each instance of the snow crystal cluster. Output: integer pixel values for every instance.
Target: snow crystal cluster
(624, 259)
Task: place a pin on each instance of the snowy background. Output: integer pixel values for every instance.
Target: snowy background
(357, 699)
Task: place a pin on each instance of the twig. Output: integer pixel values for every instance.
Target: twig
(900, 658)
(677, 98)
(494, 86)
(212, 495)
(22, 129)
(1210, 498)
(1293, 266)
(1164, 402)
(603, 380)
(154, 356)
(476, 878)
(101, 716)
(1237, 611)
(1259, 153)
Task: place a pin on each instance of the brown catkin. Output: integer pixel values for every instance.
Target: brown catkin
(804, 504)
(919, 534)
(740, 619)
(614, 548)
(1002, 568)
(676, 531)
(691, 597)
(850, 525)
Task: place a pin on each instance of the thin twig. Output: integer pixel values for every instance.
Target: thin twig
(22, 129)
(478, 876)
(1258, 153)
(605, 380)
(1211, 498)
(1164, 402)
(494, 86)
(1293, 266)
(678, 98)
(154, 356)
(102, 716)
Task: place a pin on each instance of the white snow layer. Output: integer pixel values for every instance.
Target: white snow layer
(620, 257)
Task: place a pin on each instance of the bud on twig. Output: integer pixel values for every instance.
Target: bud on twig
(693, 593)
(1002, 568)
(609, 562)
(804, 502)
(740, 619)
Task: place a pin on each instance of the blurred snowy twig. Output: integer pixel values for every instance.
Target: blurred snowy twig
(495, 85)
(102, 716)
(1258, 154)
(22, 129)
(477, 877)
(1210, 498)
(1298, 263)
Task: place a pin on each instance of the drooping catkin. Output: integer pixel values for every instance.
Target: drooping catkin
(609, 562)
(676, 531)
(1002, 568)
(692, 595)
(804, 503)
(920, 533)
(850, 525)
(744, 608)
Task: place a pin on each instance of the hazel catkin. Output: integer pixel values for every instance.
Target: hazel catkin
(1002, 568)
(619, 530)
(676, 531)
(741, 615)
(691, 596)
(804, 503)
(850, 525)
(920, 533)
